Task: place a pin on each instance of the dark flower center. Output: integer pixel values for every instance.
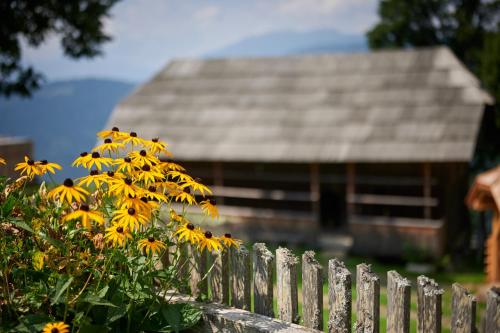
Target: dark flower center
(131, 196)
(208, 234)
(95, 155)
(213, 202)
(227, 235)
(155, 139)
(143, 153)
(84, 154)
(151, 239)
(94, 172)
(54, 330)
(190, 226)
(187, 190)
(127, 159)
(152, 189)
(146, 168)
(84, 207)
(128, 181)
(131, 211)
(119, 230)
(115, 129)
(144, 199)
(31, 162)
(197, 179)
(68, 182)
(44, 162)
(107, 141)
(111, 173)
(133, 134)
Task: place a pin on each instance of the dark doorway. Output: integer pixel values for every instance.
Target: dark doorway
(332, 207)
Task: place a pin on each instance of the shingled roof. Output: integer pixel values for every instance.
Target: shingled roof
(387, 106)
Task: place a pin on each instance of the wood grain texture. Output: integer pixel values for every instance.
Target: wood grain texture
(428, 305)
(463, 310)
(198, 269)
(219, 277)
(492, 315)
(287, 297)
(241, 278)
(339, 297)
(263, 280)
(312, 291)
(398, 303)
(367, 300)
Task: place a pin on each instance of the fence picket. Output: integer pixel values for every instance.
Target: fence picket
(339, 297)
(398, 303)
(286, 273)
(367, 300)
(463, 310)
(241, 278)
(198, 268)
(492, 315)
(428, 305)
(219, 277)
(263, 280)
(312, 291)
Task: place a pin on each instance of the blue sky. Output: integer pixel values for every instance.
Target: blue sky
(148, 33)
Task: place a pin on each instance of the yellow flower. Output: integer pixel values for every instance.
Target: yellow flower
(210, 242)
(123, 187)
(2, 161)
(143, 157)
(82, 160)
(117, 235)
(59, 327)
(109, 146)
(171, 187)
(68, 191)
(209, 207)
(111, 176)
(114, 134)
(185, 197)
(130, 218)
(151, 245)
(181, 176)
(93, 177)
(39, 259)
(133, 201)
(189, 233)
(96, 159)
(45, 167)
(156, 146)
(170, 166)
(29, 167)
(148, 175)
(86, 215)
(126, 164)
(152, 194)
(230, 241)
(175, 217)
(197, 186)
(132, 138)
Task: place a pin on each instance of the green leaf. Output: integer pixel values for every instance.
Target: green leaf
(96, 300)
(8, 205)
(22, 225)
(93, 329)
(32, 323)
(61, 287)
(172, 314)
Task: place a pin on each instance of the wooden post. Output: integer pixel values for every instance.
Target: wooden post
(241, 278)
(398, 303)
(219, 277)
(286, 273)
(428, 305)
(367, 300)
(350, 189)
(339, 297)
(198, 268)
(263, 280)
(315, 191)
(492, 314)
(463, 310)
(312, 291)
(427, 190)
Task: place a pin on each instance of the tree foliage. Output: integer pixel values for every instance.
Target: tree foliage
(78, 23)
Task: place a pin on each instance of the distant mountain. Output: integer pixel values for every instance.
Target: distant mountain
(63, 117)
(293, 42)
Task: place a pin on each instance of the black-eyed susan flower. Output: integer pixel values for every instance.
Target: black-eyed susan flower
(86, 215)
(185, 197)
(151, 245)
(132, 138)
(94, 177)
(166, 166)
(46, 166)
(143, 157)
(148, 175)
(175, 217)
(68, 191)
(2, 161)
(125, 164)
(171, 187)
(59, 327)
(209, 242)
(97, 160)
(133, 201)
(153, 194)
(197, 186)
(229, 241)
(114, 134)
(123, 187)
(189, 233)
(82, 160)
(28, 167)
(156, 146)
(129, 218)
(109, 146)
(117, 235)
(209, 207)
(180, 176)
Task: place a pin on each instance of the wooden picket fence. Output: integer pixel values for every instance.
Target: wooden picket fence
(231, 279)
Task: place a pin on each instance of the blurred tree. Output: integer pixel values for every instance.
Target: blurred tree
(79, 23)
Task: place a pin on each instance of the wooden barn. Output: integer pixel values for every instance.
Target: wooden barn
(376, 145)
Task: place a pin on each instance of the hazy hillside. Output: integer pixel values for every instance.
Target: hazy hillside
(63, 117)
(293, 42)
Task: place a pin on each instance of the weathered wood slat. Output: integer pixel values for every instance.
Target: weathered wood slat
(463, 310)
(339, 297)
(241, 278)
(492, 314)
(286, 273)
(198, 268)
(367, 300)
(312, 291)
(398, 303)
(428, 305)
(263, 280)
(219, 277)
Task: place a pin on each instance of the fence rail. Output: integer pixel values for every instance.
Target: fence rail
(237, 275)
